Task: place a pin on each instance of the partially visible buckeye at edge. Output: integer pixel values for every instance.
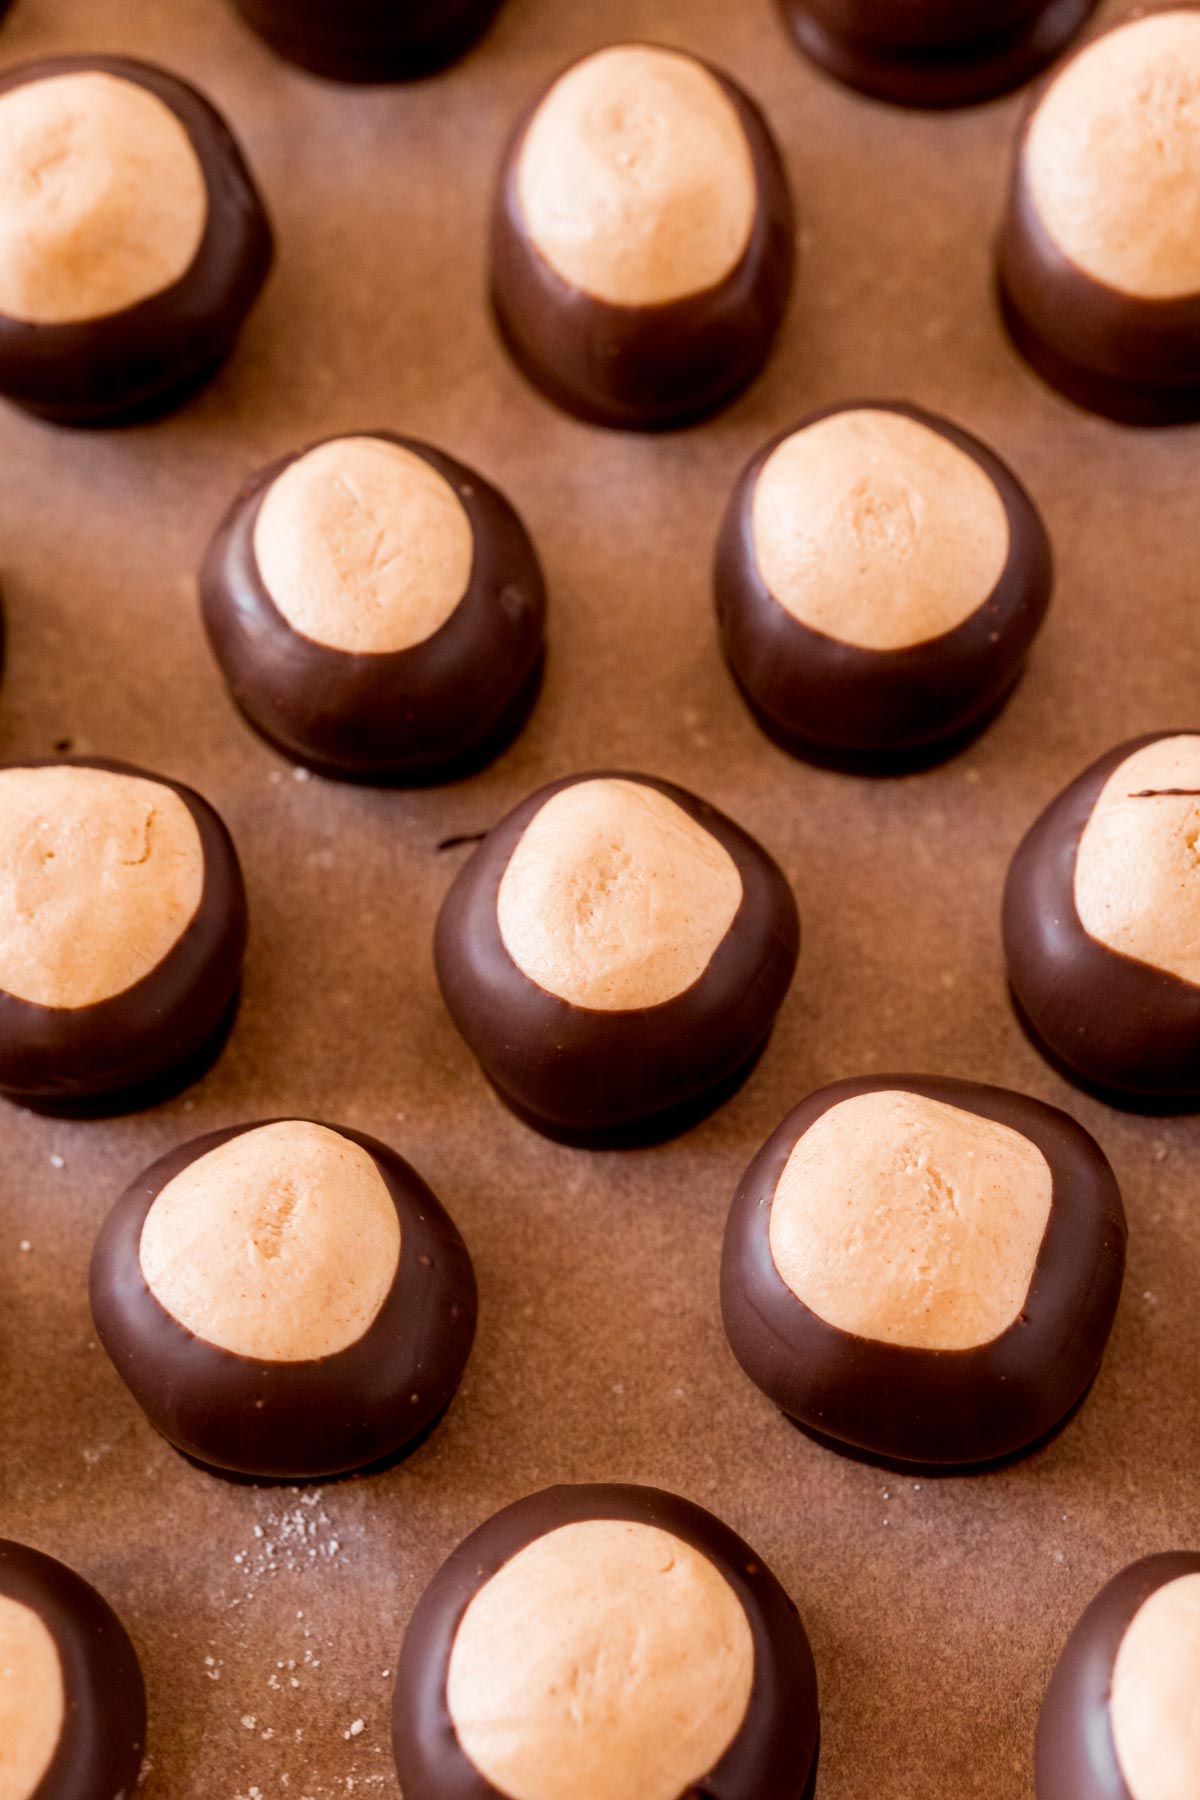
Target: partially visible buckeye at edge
(924, 1272)
(133, 240)
(615, 952)
(1102, 925)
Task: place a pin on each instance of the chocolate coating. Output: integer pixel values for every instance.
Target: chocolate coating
(137, 1039)
(773, 1756)
(1132, 359)
(1075, 1755)
(594, 1077)
(422, 714)
(1109, 1021)
(645, 368)
(934, 53)
(293, 1420)
(370, 40)
(147, 358)
(827, 700)
(935, 1408)
(103, 1735)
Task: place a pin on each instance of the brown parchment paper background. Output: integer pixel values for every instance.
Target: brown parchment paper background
(267, 1619)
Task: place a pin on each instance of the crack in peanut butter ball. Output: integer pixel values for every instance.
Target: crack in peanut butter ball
(1101, 925)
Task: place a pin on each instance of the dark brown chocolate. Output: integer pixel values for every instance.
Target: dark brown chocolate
(773, 1756)
(148, 358)
(830, 701)
(934, 53)
(1131, 359)
(161, 1026)
(103, 1733)
(370, 40)
(645, 368)
(1075, 1756)
(936, 1409)
(293, 1420)
(1111, 1023)
(428, 713)
(591, 1077)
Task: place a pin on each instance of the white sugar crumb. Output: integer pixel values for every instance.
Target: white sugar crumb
(301, 774)
(57, 1162)
(287, 1542)
(25, 1244)
(289, 1533)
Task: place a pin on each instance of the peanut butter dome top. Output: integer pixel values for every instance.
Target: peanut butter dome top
(1113, 157)
(874, 529)
(615, 898)
(103, 202)
(363, 546)
(32, 1700)
(606, 1658)
(100, 875)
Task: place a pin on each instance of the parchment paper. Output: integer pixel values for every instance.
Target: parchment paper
(267, 1620)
